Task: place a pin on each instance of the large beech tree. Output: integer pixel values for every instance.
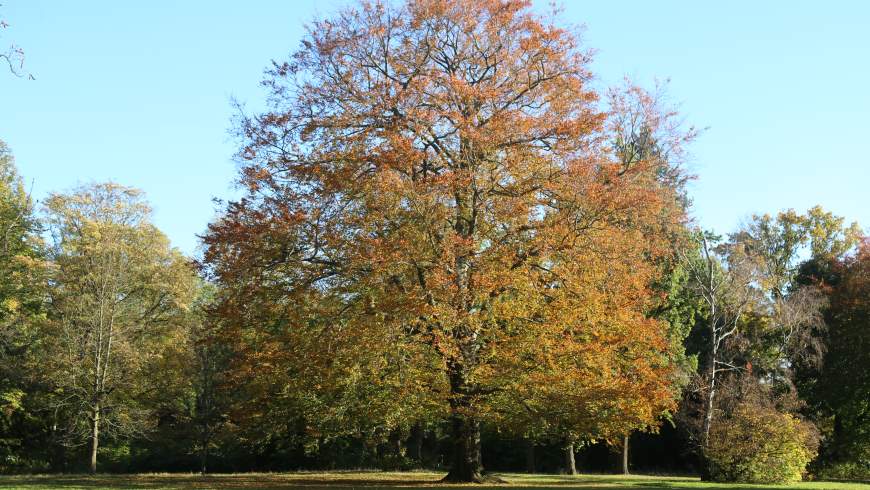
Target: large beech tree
(437, 224)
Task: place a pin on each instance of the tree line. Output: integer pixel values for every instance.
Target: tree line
(449, 241)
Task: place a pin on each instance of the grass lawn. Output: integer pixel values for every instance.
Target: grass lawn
(375, 480)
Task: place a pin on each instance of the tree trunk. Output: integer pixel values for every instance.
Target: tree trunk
(203, 457)
(363, 452)
(711, 394)
(625, 455)
(708, 415)
(530, 456)
(398, 442)
(837, 440)
(570, 463)
(95, 437)
(467, 464)
(467, 467)
(416, 443)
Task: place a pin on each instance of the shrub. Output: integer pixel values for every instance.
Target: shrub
(757, 444)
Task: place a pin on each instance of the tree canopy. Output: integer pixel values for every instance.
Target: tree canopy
(434, 198)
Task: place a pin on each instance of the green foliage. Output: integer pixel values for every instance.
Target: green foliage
(850, 470)
(780, 242)
(119, 297)
(760, 445)
(22, 291)
(681, 309)
(841, 389)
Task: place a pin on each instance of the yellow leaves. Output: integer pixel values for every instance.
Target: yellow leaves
(11, 401)
(756, 444)
(11, 305)
(120, 295)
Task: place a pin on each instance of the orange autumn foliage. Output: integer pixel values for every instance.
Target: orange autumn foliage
(437, 226)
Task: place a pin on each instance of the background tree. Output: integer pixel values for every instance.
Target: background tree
(22, 289)
(838, 389)
(777, 325)
(184, 400)
(433, 184)
(788, 327)
(117, 291)
(206, 370)
(647, 130)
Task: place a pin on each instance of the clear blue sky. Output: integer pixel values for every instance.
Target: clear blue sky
(138, 92)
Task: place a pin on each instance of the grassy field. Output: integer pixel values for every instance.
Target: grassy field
(375, 480)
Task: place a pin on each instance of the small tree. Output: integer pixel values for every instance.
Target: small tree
(723, 276)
